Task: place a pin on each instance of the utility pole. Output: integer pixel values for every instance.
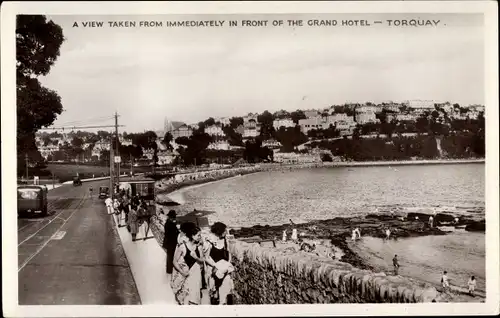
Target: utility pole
(26, 157)
(111, 171)
(117, 148)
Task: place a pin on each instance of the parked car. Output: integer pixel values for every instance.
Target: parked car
(32, 199)
(77, 181)
(103, 192)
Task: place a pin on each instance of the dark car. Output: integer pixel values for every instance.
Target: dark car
(77, 181)
(32, 199)
(103, 192)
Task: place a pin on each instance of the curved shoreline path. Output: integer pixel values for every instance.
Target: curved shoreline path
(74, 255)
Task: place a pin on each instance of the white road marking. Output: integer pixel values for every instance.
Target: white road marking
(59, 235)
(52, 220)
(47, 242)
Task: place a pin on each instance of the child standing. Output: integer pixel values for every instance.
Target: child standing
(472, 285)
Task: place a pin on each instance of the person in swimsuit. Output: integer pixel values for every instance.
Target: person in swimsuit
(216, 253)
(186, 275)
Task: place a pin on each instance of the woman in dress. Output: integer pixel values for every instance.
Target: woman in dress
(133, 221)
(217, 257)
(186, 274)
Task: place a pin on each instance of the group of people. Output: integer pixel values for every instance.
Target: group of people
(132, 209)
(197, 262)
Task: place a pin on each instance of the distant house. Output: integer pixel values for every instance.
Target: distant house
(240, 129)
(286, 122)
(251, 129)
(182, 131)
(311, 123)
(214, 130)
(166, 157)
(421, 104)
(219, 145)
(311, 113)
(271, 144)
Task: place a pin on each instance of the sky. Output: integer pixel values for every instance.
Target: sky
(191, 73)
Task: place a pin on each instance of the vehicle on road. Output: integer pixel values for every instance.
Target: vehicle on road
(103, 192)
(77, 181)
(32, 199)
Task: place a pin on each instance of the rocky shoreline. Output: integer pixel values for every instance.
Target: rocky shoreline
(338, 230)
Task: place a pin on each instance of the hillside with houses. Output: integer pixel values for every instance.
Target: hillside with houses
(310, 135)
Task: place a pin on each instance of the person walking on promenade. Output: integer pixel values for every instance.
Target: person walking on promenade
(218, 259)
(472, 285)
(90, 192)
(445, 281)
(126, 207)
(117, 211)
(133, 222)
(186, 275)
(109, 205)
(395, 263)
(171, 234)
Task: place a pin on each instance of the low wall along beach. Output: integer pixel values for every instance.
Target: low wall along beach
(268, 276)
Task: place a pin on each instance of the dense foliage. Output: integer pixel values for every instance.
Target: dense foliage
(38, 43)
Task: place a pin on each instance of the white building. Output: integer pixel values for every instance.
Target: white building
(311, 113)
(364, 118)
(391, 107)
(45, 151)
(291, 157)
(367, 109)
(166, 157)
(182, 131)
(249, 117)
(317, 122)
(271, 144)
(286, 122)
(343, 125)
(219, 145)
(226, 121)
(421, 104)
(214, 130)
(250, 132)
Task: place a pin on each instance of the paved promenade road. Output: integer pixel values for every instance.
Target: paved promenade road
(74, 255)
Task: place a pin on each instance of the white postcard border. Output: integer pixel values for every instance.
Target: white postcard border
(9, 284)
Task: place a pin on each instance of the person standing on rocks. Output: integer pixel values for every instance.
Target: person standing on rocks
(472, 285)
(445, 281)
(171, 234)
(395, 263)
(431, 221)
(388, 233)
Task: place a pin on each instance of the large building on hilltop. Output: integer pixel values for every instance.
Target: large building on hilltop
(421, 104)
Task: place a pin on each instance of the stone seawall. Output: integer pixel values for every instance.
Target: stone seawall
(166, 186)
(268, 276)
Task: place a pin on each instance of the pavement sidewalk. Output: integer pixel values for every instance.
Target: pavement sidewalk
(147, 263)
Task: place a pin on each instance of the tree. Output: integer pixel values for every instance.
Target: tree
(38, 43)
(297, 115)
(103, 135)
(266, 128)
(209, 122)
(234, 122)
(167, 139)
